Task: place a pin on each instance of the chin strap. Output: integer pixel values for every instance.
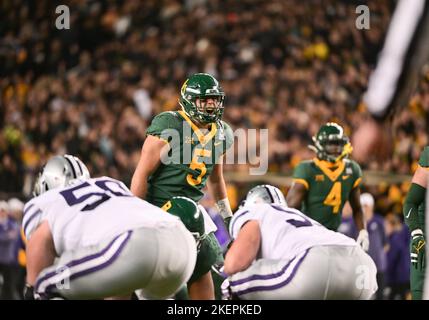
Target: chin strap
(347, 150)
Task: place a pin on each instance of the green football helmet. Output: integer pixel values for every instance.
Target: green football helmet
(187, 210)
(194, 94)
(330, 143)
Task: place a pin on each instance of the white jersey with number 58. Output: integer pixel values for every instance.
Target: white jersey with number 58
(91, 211)
(286, 232)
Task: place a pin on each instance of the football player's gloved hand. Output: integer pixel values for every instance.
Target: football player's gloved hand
(218, 268)
(29, 293)
(418, 249)
(363, 240)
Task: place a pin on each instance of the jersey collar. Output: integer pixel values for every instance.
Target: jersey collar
(203, 139)
(325, 167)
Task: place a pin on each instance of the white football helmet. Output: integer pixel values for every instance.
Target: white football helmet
(265, 193)
(60, 171)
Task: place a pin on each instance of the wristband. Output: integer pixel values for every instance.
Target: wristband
(224, 208)
(417, 232)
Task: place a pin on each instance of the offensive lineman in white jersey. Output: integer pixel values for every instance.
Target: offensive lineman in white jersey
(91, 238)
(280, 253)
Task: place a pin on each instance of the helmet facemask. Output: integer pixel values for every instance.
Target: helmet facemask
(202, 98)
(333, 148)
(209, 108)
(331, 144)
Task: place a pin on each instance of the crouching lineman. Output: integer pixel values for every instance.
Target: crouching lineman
(107, 242)
(280, 253)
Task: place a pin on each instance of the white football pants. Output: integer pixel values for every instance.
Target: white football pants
(321, 273)
(157, 260)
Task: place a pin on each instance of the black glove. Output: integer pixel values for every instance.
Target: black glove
(29, 292)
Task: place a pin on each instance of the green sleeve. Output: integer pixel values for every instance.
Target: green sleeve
(415, 197)
(301, 174)
(229, 135)
(424, 158)
(300, 171)
(162, 125)
(357, 174)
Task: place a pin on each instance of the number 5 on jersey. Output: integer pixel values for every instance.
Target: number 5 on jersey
(197, 165)
(333, 198)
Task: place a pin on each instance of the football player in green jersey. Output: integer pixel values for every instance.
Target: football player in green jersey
(323, 185)
(193, 140)
(414, 213)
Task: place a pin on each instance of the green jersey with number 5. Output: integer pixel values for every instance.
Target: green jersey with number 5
(328, 188)
(191, 159)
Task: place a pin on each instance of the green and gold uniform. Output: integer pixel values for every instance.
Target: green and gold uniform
(193, 154)
(328, 188)
(417, 275)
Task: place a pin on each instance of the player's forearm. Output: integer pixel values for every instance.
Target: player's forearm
(244, 249)
(35, 265)
(218, 189)
(219, 193)
(139, 180)
(150, 159)
(202, 288)
(139, 185)
(295, 196)
(358, 219)
(354, 201)
(415, 197)
(40, 253)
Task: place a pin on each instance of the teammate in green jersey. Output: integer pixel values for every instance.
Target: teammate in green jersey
(323, 185)
(183, 151)
(414, 213)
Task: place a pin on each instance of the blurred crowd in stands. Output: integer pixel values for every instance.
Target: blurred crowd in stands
(92, 90)
(12, 250)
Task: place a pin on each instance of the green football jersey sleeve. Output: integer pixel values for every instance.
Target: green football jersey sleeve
(424, 158)
(302, 173)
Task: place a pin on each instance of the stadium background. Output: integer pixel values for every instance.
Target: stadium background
(288, 66)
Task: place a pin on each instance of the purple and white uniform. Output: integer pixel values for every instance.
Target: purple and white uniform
(109, 242)
(301, 259)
